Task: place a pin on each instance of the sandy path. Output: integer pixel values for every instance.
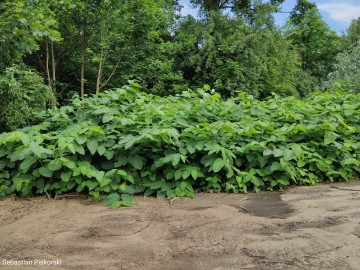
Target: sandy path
(302, 228)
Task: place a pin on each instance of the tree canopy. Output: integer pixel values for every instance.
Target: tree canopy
(86, 47)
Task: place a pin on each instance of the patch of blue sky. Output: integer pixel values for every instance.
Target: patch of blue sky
(337, 14)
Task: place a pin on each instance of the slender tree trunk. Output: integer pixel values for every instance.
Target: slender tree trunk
(101, 81)
(82, 71)
(47, 65)
(101, 62)
(53, 66)
(99, 77)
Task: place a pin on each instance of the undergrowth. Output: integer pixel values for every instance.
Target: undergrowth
(127, 142)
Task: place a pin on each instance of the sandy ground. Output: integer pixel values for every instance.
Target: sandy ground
(301, 228)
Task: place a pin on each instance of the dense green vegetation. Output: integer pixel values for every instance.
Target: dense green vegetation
(22, 92)
(125, 141)
(284, 109)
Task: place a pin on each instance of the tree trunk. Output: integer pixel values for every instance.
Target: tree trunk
(82, 72)
(53, 66)
(100, 71)
(47, 66)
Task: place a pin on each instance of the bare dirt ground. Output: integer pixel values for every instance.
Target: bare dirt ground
(301, 228)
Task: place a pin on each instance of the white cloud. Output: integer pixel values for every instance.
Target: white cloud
(341, 12)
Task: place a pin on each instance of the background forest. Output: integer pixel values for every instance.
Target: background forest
(54, 49)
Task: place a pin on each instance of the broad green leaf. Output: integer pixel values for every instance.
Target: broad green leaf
(256, 181)
(109, 199)
(194, 174)
(191, 149)
(128, 141)
(107, 118)
(3, 164)
(71, 147)
(92, 145)
(218, 164)
(109, 154)
(186, 174)
(136, 162)
(156, 185)
(81, 139)
(289, 155)
(278, 153)
(301, 163)
(68, 163)
(149, 192)
(121, 172)
(275, 166)
(25, 138)
(268, 152)
(37, 150)
(263, 160)
(297, 150)
(45, 172)
(105, 181)
(121, 160)
(100, 175)
(79, 149)
(322, 166)
(330, 137)
(3, 152)
(352, 161)
(159, 162)
(284, 182)
(101, 150)
(127, 189)
(55, 165)
(175, 160)
(26, 164)
(65, 176)
(115, 204)
(178, 174)
(91, 184)
(127, 200)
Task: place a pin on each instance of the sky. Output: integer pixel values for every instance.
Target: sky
(336, 13)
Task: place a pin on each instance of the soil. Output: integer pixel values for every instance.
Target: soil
(301, 228)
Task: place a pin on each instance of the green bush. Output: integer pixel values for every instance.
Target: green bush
(126, 142)
(22, 92)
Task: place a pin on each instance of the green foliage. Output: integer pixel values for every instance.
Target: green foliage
(23, 24)
(353, 33)
(126, 142)
(246, 8)
(346, 75)
(22, 92)
(89, 46)
(299, 12)
(232, 56)
(113, 41)
(316, 43)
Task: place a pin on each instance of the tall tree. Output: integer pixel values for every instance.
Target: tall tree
(107, 42)
(346, 70)
(353, 33)
(316, 43)
(237, 6)
(23, 26)
(300, 10)
(232, 56)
